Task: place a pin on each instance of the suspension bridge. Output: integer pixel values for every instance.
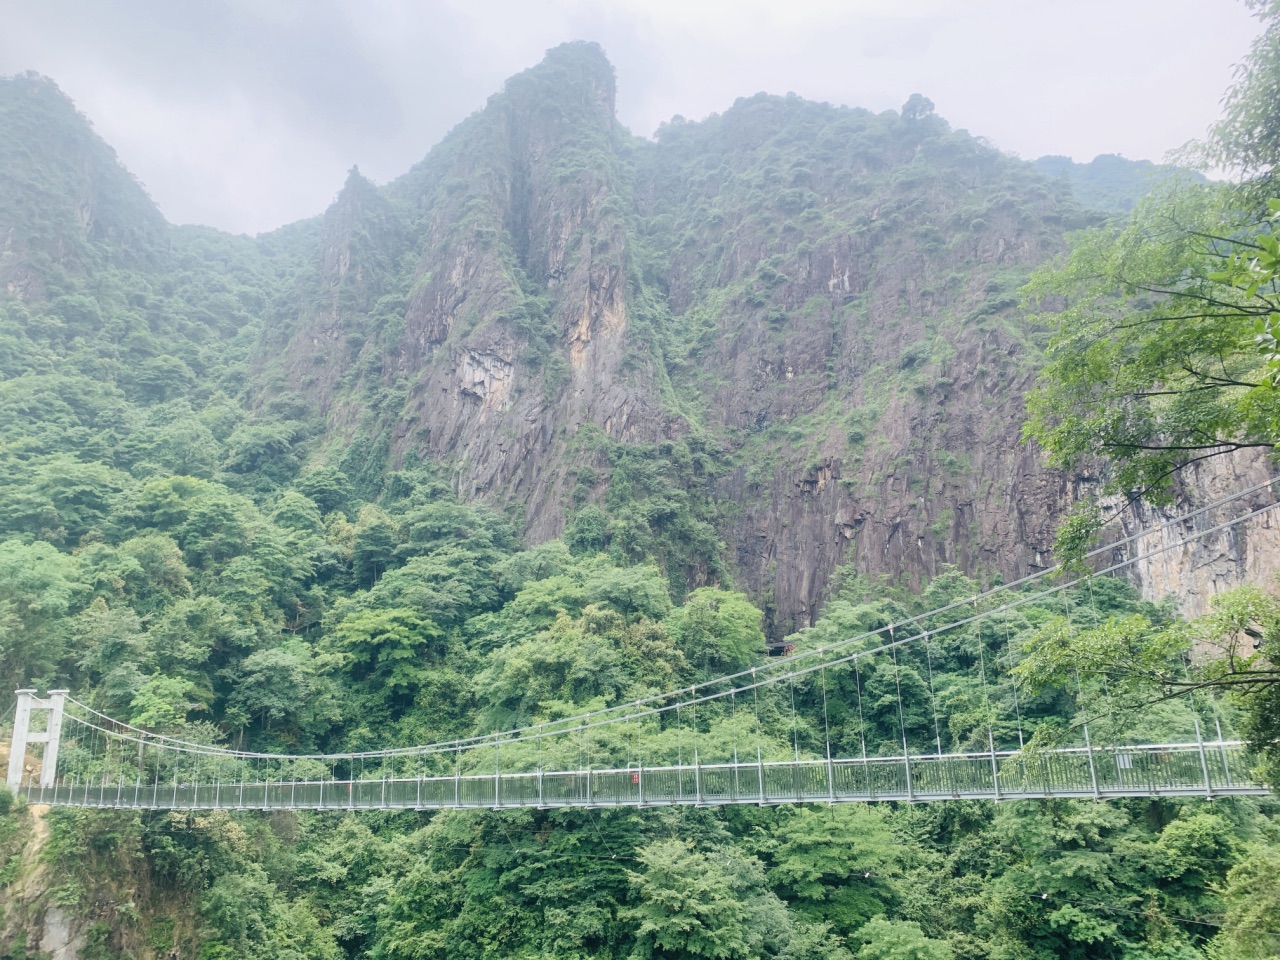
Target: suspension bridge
(925, 709)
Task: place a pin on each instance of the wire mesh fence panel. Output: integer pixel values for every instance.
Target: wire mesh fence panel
(719, 784)
(518, 790)
(952, 776)
(1237, 766)
(563, 787)
(662, 785)
(1211, 769)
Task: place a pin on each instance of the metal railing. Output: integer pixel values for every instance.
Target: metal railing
(1208, 769)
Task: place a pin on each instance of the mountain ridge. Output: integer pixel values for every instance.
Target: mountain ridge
(758, 347)
(550, 296)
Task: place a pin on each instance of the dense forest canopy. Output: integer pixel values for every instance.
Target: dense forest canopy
(229, 512)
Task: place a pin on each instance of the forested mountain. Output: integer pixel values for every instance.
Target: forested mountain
(791, 329)
(560, 417)
(763, 344)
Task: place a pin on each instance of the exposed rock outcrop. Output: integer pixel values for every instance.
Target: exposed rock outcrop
(1189, 571)
(825, 297)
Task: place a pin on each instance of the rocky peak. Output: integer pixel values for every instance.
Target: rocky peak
(576, 77)
(356, 189)
(357, 227)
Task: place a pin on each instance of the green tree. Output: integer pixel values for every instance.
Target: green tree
(211, 523)
(266, 449)
(297, 513)
(197, 636)
(328, 487)
(249, 917)
(715, 904)
(391, 650)
(113, 651)
(1153, 362)
(286, 685)
(374, 549)
(39, 589)
(898, 940)
(917, 107)
(162, 575)
(1143, 663)
(58, 498)
(163, 702)
(568, 663)
(1251, 924)
(720, 631)
(834, 864)
(176, 441)
(1247, 137)
(446, 585)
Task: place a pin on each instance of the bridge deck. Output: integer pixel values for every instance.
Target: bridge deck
(1167, 770)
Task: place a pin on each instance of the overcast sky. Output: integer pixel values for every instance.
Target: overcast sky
(246, 114)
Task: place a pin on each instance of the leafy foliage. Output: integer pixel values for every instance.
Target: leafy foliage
(1152, 364)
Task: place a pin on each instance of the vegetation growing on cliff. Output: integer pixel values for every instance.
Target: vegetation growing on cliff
(1111, 182)
(223, 514)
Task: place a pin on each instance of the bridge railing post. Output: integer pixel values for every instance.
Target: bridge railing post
(1204, 762)
(760, 773)
(1093, 771)
(1222, 752)
(697, 778)
(457, 774)
(995, 767)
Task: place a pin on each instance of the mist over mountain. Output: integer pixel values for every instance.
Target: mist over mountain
(1110, 182)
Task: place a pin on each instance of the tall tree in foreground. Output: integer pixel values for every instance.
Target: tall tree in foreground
(1166, 352)
(1164, 349)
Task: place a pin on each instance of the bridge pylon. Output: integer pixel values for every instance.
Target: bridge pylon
(30, 704)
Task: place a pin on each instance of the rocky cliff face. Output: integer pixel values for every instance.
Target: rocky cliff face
(823, 293)
(869, 362)
(508, 331)
(119, 911)
(1191, 572)
(822, 299)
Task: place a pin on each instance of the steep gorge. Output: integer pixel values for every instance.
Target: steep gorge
(253, 493)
